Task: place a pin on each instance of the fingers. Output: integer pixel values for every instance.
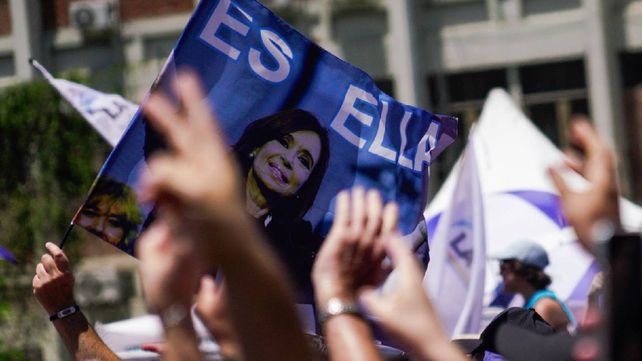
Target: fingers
(360, 234)
(574, 162)
(390, 218)
(160, 180)
(35, 282)
(163, 116)
(59, 256)
(558, 181)
(209, 286)
(372, 300)
(41, 272)
(48, 263)
(401, 256)
(374, 210)
(358, 213)
(155, 238)
(584, 135)
(341, 212)
(190, 92)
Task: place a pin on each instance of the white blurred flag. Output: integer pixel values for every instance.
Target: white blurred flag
(109, 114)
(455, 275)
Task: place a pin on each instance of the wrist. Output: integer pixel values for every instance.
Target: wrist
(56, 306)
(175, 316)
(322, 299)
(64, 312)
(336, 307)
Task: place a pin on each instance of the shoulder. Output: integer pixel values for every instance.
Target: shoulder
(547, 305)
(552, 312)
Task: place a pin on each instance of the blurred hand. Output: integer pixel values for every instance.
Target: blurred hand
(403, 309)
(211, 308)
(597, 207)
(53, 284)
(195, 184)
(352, 254)
(169, 269)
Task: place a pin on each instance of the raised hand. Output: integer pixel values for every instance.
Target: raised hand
(196, 181)
(170, 271)
(594, 212)
(352, 254)
(169, 268)
(53, 284)
(404, 310)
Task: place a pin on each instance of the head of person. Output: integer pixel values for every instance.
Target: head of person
(111, 212)
(287, 155)
(522, 265)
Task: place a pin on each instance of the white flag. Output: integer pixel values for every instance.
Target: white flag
(455, 275)
(109, 114)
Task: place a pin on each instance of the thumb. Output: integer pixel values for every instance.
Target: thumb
(558, 181)
(208, 285)
(370, 298)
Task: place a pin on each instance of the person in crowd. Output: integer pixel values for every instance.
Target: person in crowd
(522, 266)
(485, 348)
(594, 214)
(200, 199)
(53, 286)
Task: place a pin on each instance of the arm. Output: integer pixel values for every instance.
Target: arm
(197, 190)
(212, 309)
(406, 313)
(351, 257)
(169, 274)
(53, 287)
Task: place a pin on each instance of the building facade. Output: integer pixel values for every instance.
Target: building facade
(556, 57)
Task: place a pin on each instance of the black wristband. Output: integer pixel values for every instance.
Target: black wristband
(65, 312)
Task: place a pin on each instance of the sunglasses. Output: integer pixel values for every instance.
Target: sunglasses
(506, 265)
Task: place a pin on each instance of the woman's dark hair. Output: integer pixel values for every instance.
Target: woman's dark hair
(274, 127)
(533, 275)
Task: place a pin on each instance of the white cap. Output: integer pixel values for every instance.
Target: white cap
(527, 252)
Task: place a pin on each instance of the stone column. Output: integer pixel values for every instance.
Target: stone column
(604, 80)
(403, 55)
(26, 30)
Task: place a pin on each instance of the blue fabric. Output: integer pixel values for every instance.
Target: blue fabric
(252, 64)
(547, 203)
(490, 356)
(6, 255)
(538, 295)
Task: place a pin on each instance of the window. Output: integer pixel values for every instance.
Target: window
(553, 92)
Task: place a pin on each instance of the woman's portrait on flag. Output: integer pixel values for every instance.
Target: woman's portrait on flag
(111, 213)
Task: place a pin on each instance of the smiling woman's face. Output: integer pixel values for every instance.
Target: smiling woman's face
(285, 164)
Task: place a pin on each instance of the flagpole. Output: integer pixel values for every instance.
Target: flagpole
(66, 235)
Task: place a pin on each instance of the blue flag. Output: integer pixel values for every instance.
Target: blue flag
(272, 89)
(6, 255)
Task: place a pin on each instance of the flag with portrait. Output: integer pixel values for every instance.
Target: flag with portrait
(302, 124)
